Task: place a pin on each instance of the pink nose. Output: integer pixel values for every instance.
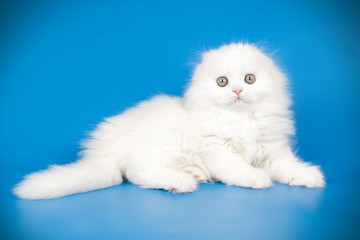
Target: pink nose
(237, 92)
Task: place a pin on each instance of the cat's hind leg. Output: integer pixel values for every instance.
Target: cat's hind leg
(158, 177)
(197, 173)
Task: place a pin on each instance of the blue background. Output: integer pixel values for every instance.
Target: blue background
(65, 65)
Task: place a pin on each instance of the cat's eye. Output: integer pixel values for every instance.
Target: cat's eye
(222, 81)
(250, 78)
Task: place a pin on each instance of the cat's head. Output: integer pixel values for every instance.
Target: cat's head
(236, 75)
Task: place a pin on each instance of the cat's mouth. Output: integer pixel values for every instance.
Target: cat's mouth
(240, 100)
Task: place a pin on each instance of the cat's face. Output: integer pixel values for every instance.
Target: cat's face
(236, 75)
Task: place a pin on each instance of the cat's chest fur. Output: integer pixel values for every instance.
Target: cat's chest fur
(240, 132)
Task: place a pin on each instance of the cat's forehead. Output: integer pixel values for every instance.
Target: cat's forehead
(236, 56)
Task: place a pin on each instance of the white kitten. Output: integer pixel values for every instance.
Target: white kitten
(233, 125)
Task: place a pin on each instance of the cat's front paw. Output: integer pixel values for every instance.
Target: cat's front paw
(260, 179)
(310, 177)
(183, 183)
(251, 178)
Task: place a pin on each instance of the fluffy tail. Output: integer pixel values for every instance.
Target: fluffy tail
(58, 181)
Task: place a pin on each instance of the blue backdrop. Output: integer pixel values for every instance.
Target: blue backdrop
(65, 65)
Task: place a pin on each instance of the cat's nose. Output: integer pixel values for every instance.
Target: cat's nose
(237, 91)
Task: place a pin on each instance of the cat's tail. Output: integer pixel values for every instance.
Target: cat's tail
(58, 181)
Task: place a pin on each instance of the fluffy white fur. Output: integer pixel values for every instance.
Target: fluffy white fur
(208, 135)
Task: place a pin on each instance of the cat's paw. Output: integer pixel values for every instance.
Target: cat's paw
(182, 183)
(259, 179)
(251, 178)
(310, 177)
(198, 174)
